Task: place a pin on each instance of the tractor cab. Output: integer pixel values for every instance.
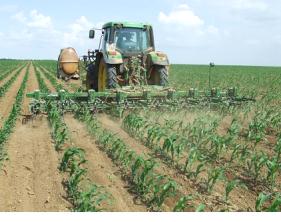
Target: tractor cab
(131, 40)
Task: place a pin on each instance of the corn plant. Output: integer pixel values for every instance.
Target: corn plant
(272, 170)
(230, 186)
(274, 206)
(142, 174)
(72, 184)
(214, 175)
(277, 149)
(154, 134)
(82, 200)
(199, 169)
(161, 192)
(255, 164)
(59, 129)
(91, 199)
(200, 208)
(72, 159)
(190, 160)
(183, 203)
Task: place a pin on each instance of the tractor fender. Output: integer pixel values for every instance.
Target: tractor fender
(157, 58)
(113, 58)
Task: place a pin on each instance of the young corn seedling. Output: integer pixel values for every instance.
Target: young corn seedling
(192, 157)
(277, 149)
(169, 145)
(142, 181)
(235, 152)
(274, 206)
(234, 128)
(230, 186)
(244, 153)
(213, 176)
(73, 182)
(72, 159)
(201, 208)
(272, 170)
(262, 198)
(155, 134)
(90, 200)
(256, 163)
(199, 169)
(183, 203)
(161, 192)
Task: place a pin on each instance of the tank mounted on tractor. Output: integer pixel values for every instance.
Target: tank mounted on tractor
(126, 71)
(68, 64)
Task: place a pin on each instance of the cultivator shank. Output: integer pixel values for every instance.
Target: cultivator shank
(132, 97)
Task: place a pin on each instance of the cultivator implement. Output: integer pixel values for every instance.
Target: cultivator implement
(133, 98)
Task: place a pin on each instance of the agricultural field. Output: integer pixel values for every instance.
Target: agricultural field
(222, 158)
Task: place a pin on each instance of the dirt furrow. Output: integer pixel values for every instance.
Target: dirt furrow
(6, 102)
(48, 83)
(101, 170)
(32, 85)
(30, 180)
(11, 74)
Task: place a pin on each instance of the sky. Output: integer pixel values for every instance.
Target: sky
(231, 32)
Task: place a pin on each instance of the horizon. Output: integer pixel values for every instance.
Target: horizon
(184, 64)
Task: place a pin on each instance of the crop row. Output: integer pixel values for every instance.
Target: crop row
(10, 122)
(72, 163)
(42, 85)
(190, 153)
(8, 66)
(53, 80)
(4, 88)
(8, 72)
(83, 199)
(153, 188)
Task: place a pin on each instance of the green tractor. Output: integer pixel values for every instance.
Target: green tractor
(126, 57)
(126, 72)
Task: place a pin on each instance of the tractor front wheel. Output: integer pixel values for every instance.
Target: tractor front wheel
(112, 76)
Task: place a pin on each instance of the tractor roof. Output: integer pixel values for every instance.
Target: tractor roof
(126, 24)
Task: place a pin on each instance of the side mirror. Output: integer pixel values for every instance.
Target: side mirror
(92, 34)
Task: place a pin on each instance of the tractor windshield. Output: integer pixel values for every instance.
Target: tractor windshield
(132, 40)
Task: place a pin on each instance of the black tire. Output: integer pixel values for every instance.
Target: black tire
(58, 71)
(163, 75)
(111, 76)
(92, 77)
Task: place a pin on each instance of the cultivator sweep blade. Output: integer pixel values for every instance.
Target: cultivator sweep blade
(134, 97)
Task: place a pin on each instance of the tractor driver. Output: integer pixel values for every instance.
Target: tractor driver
(125, 41)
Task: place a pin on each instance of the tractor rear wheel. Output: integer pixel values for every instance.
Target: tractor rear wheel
(112, 76)
(159, 76)
(163, 75)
